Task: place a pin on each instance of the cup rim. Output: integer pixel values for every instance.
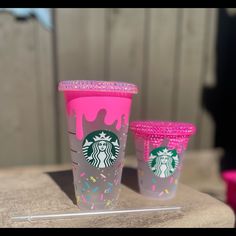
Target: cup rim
(97, 86)
(160, 128)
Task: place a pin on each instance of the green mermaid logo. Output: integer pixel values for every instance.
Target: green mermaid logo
(163, 162)
(101, 148)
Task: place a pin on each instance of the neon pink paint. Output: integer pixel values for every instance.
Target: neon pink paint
(88, 107)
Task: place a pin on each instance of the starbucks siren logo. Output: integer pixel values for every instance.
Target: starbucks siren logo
(101, 148)
(163, 162)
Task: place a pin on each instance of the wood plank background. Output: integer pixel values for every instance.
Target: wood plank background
(168, 53)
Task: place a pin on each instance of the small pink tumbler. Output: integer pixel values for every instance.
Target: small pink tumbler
(229, 177)
(160, 147)
(98, 118)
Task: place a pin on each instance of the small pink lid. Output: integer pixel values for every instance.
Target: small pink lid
(97, 86)
(149, 129)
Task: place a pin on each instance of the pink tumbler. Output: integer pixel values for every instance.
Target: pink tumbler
(98, 117)
(160, 147)
(229, 177)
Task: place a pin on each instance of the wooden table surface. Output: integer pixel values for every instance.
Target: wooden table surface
(49, 189)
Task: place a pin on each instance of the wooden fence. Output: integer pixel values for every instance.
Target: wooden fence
(168, 53)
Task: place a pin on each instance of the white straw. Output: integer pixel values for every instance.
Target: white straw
(70, 215)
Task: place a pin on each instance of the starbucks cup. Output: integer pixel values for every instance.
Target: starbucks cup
(160, 147)
(98, 117)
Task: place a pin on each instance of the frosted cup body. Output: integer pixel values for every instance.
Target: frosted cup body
(97, 131)
(160, 157)
(160, 183)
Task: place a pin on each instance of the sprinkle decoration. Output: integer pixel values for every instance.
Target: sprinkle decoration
(171, 180)
(82, 174)
(154, 180)
(86, 184)
(92, 207)
(103, 176)
(101, 196)
(166, 191)
(92, 179)
(161, 193)
(95, 189)
(153, 187)
(83, 198)
(88, 197)
(108, 202)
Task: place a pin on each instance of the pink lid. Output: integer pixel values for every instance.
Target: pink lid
(149, 129)
(97, 86)
(229, 176)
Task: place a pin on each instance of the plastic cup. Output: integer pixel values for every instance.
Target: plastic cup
(229, 177)
(160, 147)
(97, 117)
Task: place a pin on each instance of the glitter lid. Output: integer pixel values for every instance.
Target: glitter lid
(97, 86)
(149, 129)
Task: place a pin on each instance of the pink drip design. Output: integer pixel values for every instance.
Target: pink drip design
(117, 110)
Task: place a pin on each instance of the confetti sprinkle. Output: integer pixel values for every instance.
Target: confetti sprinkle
(109, 184)
(92, 207)
(92, 179)
(153, 187)
(82, 174)
(103, 176)
(171, 180)
(166, 190)
(83, 198)
(154, 180)
(95, 189)
(108, 202)
(101, 196)
(86, 184)
(161, 193)
(88, 197)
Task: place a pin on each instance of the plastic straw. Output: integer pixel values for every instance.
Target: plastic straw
(93, 213)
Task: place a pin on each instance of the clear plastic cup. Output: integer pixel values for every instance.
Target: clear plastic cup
(160, 147)
(98, 117)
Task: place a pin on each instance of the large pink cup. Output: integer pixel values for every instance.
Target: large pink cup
(98, 117)
(160, 147)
